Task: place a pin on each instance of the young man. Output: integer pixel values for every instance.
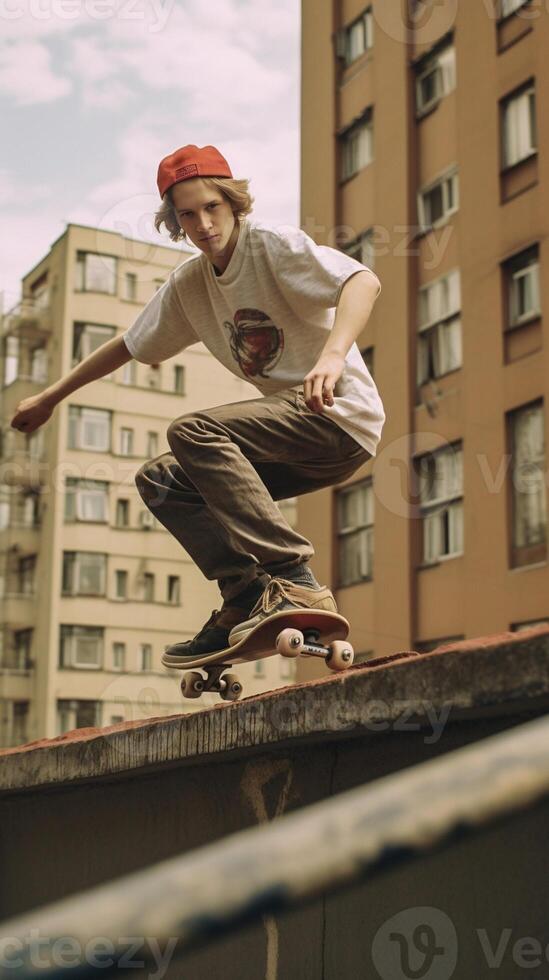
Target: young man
(262, 300)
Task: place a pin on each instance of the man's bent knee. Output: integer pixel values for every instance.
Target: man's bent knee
(152, 481)
(179, 427)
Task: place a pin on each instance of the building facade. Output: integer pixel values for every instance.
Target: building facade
(92, 587)
(425, 153)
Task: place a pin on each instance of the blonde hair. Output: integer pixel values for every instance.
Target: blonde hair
(235, 191)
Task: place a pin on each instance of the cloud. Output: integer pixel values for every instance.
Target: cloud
(182, 72)
(26, 74)
(111, 95)
(13, 193)
(90, 60)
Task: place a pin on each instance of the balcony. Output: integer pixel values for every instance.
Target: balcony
(16, 683)
(18, 610)
(21, 533)
(22, 386)
(20, 468)
(29, 318)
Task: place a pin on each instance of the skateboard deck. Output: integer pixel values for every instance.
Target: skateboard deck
(289, 633)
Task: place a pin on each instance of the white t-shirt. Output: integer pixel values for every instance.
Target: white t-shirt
(266, 318)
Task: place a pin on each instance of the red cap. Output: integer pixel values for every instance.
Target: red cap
(191, 161)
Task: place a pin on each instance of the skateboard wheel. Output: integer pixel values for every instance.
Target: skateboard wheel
(341, 655)
(192, 685)
(233, 688)
(289, 643)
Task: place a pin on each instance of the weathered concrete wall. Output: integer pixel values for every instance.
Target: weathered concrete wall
(78, 811)
(482, 896)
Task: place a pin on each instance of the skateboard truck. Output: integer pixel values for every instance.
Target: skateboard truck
(227, 686)
(292, 642)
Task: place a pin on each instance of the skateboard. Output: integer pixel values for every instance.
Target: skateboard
(303, 632)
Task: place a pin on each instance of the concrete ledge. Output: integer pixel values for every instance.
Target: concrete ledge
(194, 898)
(485, 677)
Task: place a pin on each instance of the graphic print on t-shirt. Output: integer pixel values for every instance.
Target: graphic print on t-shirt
(256, 342)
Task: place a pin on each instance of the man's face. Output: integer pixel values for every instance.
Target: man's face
(205, 215)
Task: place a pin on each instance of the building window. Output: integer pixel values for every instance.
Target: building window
(154, 376)
(129, 372)
(357, 146)
(436, 77)
(368, 358)
(13, 722)
(438, 201)
(179, 379)
(508, 7)
(121, 583)
(5, 515)
(148, 587)
(26, 568)
(81, 646)
(89, 428)
(40, 292)
(86, 500)
(522, 287)
(441, 502)
(287, 669)
(362, 249)
(152, 444)
(87, 338)
(35, 444)
(119, 656)
(259, 669)
(22, 646)
(39, 365)
(529, 506)
(519, 137)
(27, 509)
(157, 284)
(174, 590)
(126, 442)
(288, 508)
(147, 520)
(19, 722)
(95, 273)
(130, 286)
(355, 519)
(122, 513)
(145, 656)
(358, 37)
(78, 714)
(439, 344)
(84, 573)
(11, 360)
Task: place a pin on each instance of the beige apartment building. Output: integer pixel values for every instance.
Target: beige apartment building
(92, 587)
(425, 152)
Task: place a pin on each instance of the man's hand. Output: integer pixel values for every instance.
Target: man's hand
(31, 413)
(318, 387)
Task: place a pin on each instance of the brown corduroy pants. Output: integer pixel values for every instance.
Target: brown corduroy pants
(216, 490)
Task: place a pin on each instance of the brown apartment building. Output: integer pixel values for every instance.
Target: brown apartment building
(425, 151)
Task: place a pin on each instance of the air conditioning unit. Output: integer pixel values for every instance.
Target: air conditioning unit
(146, 519)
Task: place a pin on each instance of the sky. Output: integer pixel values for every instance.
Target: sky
(93, 93)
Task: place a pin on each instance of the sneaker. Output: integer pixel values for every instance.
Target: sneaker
(213, 636)
(279, 596)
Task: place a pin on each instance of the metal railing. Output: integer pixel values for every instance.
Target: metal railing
(26, 311)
